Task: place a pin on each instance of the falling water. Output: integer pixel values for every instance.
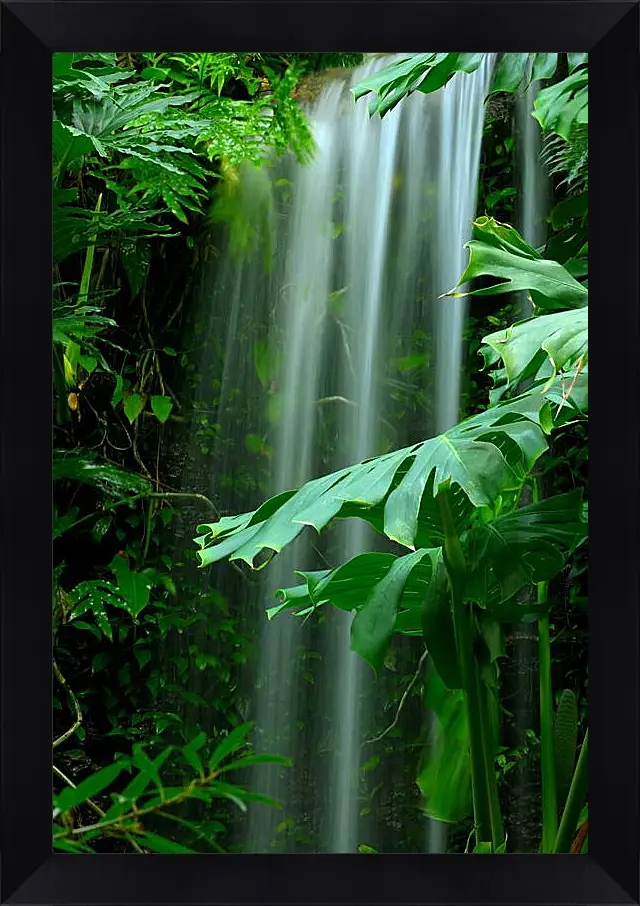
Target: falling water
(338, 348)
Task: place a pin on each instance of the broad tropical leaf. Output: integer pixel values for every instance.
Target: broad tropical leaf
(560, 338)
(521, 548)
(385, 592)
(83, 466)
(498, 251)
(486, 456)
(445, 780)
(562, 106)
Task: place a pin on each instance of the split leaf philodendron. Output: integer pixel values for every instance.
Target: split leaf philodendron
(454, 502)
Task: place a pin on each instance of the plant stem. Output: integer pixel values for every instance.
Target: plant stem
(462, 614)
(496, 821)
(78, 721)
(575, 802)
(158, 495)
(548, 773)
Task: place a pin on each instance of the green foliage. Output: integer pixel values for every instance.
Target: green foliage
(148, 803)
(445, 780)
(557, 108)
(500, 252)
(459, 493)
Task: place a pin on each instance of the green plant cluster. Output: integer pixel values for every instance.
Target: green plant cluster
(140, 142)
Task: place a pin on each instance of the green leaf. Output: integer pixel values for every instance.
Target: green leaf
(190, 753)
(438, 627)
(161, 406)
(83, 466)
(486, 456)
(133, 406)
(137, 786)
(566, 725)
(560, 338)
(229, 744)
(576, 59)
(69, 144)
(134, 587)
(510, 72)
(136, 258)
(143, 656)
(445, 780)
(563, 105)
(373, 625)
(162, 844)
(249, 760)
(69, 798)
(544, 66)
(529, 545)
(549, 283)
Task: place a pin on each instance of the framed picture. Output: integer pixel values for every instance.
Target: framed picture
(320, 297)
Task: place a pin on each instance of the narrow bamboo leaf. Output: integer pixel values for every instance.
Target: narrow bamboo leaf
(69, 798)
(162, 844)
(231, 743)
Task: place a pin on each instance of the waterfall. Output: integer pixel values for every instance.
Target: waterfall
(337, 348)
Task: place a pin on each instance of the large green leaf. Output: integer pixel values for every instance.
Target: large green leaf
(374, 623)
(560, 338)
(445, 780)
(550, 285)
(529, 545)
(560, 107)
(544, 65)
(386, 592)
(510, 72)
(83, 466)
(438, 627)
(486, 456)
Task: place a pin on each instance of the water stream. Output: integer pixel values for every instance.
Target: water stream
(337, 347)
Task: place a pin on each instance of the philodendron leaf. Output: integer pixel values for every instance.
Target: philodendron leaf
(482, 458)
(373, 625)
(550, 285)
(438, 627)
(563, 105)
(529, 545)
(560, 338)
(544, 66)
(445, 780)
(510, 72)
(386, 592)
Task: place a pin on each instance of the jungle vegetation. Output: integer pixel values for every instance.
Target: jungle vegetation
(489, 519)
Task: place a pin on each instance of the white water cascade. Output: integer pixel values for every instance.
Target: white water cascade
(341, 349)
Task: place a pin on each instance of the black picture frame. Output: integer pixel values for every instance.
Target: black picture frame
(30, 32)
